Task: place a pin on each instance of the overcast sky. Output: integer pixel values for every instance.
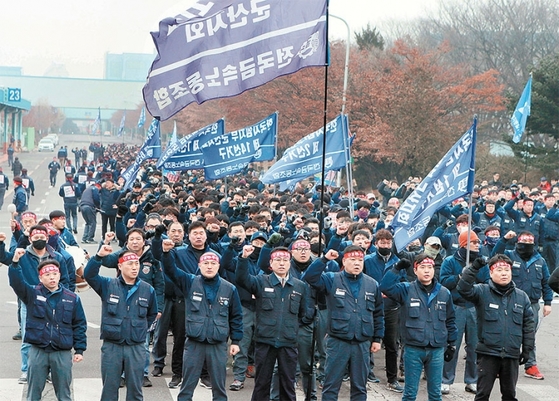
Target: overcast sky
(34, 34)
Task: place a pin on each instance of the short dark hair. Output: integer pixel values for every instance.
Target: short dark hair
(196, 224)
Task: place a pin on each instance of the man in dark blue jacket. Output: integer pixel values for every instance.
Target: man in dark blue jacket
(89, 205)
(129, 309)
(506, 323)
(355, 320)
(214, 315)
(55, 324)
(70, 193)
(280, 305)
(150, 271)
(20, 195)
(428, 329)
(37, 252)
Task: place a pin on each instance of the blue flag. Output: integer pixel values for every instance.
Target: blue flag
(522, 111)
(232, 152)
(142, 119)
(186, 153)
(450, 179)
(121, 128)
(225, 51)
(151, 149)
(305, 157)
(96, 123)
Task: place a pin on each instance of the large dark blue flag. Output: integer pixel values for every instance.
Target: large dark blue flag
(232, 152)
(450, 179)
(305, 157)
(151, 149)
(186, 153)
(221, 52)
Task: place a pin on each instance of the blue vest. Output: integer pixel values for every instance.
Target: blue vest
(207, 322)
(423, 319)
(277, 311)
(124, 315)
(351, 319)
(46, 326)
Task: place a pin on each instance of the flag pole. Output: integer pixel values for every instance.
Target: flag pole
(311, 380)
(470, 190)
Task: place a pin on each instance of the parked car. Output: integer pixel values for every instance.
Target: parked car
(46, 144)
(54, 138)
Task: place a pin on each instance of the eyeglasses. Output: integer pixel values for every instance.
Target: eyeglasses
(475, 241)
(302, 249)
(501, 269)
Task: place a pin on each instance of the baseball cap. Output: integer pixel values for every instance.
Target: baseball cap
(433, 241)
(259, 235)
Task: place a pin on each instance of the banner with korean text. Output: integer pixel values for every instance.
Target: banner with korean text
(186, 153)
(450, 179)
(224, 48)
(305, 157)
(151, 149)
(232, 152)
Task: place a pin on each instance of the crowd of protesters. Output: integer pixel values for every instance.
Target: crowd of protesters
(305, 284)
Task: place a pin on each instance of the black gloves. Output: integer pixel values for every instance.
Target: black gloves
(274, 239)
(449, 353)
(122, 210)
(160, 229)
(524, 356)
(403, 264)
(478, 264)
(149, 206)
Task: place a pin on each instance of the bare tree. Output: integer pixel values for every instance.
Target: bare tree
(510, 36)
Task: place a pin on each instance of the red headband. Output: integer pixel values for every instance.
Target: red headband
(301, 243)
(128, 257)
(49, 269)
(500, 263)
(354, 254)
(280, 255)
(38, 231)
(426, 261)
(526, 238)
(209, 256)
(28, 214)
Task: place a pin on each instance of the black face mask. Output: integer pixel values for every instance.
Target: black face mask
(222, 231)
(525, 250)
(316, 249)
(415, 248)
(384, 251)
(256, 253)
(39, 244)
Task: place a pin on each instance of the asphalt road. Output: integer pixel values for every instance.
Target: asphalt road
(87, 382)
